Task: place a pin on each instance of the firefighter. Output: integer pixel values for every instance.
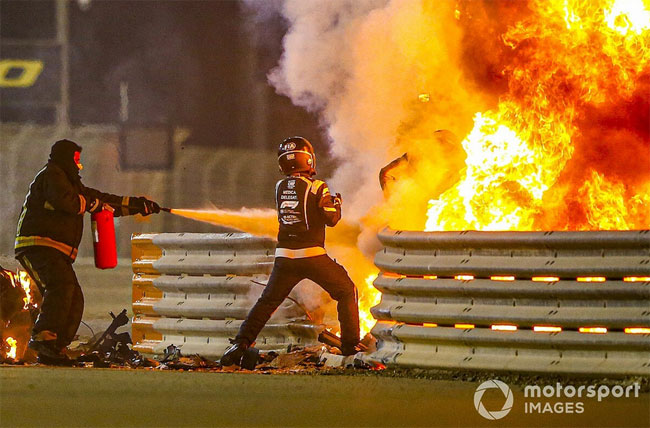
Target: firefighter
(48, 235)
(305, 206)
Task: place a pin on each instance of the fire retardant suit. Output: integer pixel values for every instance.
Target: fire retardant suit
(48, 235)
(305, 207)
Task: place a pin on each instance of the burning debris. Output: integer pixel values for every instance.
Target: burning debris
(297, 359)
(114, 349)
(11, 354)
(19, 302)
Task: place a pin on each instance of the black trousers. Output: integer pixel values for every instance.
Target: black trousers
(63, 301)
(285, 275)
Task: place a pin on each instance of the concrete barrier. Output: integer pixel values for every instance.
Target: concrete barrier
(193, 290)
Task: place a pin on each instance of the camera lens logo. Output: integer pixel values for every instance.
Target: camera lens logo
(496, 414)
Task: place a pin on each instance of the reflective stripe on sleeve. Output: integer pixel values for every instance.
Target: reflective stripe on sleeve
(300, 253)
(82, 204)
(40, 241)
(125, 206)
(328, 209)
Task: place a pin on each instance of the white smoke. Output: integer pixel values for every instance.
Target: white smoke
(361, 64)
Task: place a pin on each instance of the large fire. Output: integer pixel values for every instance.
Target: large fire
(550, 98)
(572, 57)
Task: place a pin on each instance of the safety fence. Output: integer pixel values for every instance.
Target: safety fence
(193, 290)
(560, 302)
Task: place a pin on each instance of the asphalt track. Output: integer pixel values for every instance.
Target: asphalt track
(42, 396)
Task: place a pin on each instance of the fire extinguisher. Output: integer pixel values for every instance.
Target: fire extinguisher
(104, 244)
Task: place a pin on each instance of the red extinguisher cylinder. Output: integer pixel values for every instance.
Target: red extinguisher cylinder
(103, 229)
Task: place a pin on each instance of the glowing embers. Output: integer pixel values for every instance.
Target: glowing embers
(546, 329)
(464, 326)
(545, 279)
(430, 277)
(637, 330)
(392, 275)
(464, 277)
(503, 327)
(536, 328)
(593, 330)
(636, 279)
(11, 353)
(502, 278)
(591, 279)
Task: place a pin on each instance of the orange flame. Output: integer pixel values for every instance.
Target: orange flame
(25, 283)
(368, 299)
(12, 348)
(573, 55)
(22, 278)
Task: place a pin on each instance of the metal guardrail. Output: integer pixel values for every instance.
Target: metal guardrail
(193, 290)
(548, 302)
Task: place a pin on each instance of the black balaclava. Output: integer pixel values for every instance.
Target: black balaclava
(62, 154)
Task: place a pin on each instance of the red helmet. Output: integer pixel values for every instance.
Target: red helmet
(296, 154)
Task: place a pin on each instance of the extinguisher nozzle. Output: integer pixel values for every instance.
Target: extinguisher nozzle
(167, 210)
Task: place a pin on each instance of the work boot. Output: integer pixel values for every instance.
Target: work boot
(234, 354)
(49, 353)
(46, 348)
(61, 360)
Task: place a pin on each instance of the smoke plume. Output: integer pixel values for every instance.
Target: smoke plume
(385, 76)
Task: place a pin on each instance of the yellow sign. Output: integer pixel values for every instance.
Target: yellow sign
(25, 72)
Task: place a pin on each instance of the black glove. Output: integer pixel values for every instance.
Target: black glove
(144, 206)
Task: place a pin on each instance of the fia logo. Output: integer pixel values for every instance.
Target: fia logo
(291, 184)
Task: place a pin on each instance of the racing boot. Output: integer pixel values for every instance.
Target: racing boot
(234, 354)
